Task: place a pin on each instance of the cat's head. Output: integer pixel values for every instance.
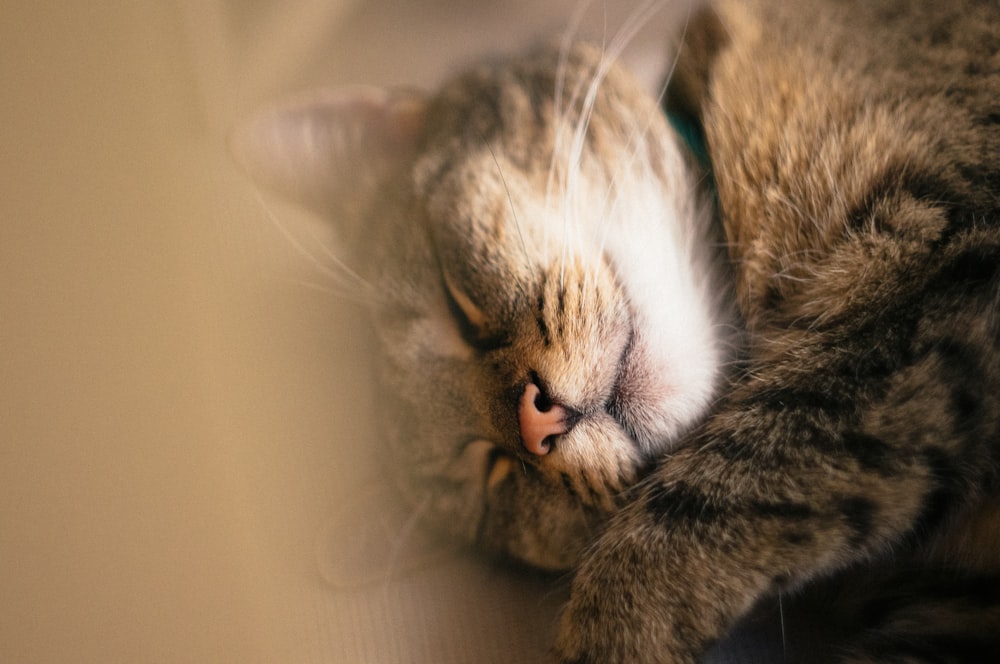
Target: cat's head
(542, 284)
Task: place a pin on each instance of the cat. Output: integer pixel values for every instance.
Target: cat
(568, 355)
(542, 275)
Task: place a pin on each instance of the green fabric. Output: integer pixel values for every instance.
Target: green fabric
(692, 136)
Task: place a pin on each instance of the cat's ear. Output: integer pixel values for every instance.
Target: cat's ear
(331, 149)
(702, 41)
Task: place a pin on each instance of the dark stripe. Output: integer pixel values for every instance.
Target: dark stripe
(794, 398)
(561, 311)
(962, 359)
(983, 177)
(788, 511)
(858, 513)
(539, 91)
(595, 495)
(939, 501)
(442, 166)
(989, 119)
(543, 327)
(956, 196)
(977, 265)
(681, 502)
(962, 372)
(967, 405)
(886, 187)
(490, 99)
(798, 537)
(543, 330)
(773, 298)
(568, 485)
(871, 453)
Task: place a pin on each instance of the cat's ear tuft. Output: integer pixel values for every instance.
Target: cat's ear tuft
(331, 149)
(703, 39)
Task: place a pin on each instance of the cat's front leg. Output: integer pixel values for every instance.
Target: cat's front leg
(664, 581)
(773, 493)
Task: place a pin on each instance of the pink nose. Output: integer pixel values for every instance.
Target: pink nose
(540, 419)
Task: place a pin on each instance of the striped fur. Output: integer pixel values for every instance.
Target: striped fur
(856, 151)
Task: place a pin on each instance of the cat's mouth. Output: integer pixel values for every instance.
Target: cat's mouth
(593, 480)
(621, 395)
(591, 455)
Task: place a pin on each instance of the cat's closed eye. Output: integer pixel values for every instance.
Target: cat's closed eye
(469, 317)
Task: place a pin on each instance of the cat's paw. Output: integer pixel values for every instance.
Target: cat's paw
(629, 603)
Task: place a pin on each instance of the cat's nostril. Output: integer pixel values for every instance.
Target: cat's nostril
(540, 419)
(542, 401)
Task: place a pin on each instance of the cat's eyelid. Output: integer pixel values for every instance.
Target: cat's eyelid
(473, 314)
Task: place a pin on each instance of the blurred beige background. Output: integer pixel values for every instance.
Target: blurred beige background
(185, 418)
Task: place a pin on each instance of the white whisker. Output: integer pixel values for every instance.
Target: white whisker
(510, 201)
(610, 54)
(784, 641)
(340, 294)
(341, 274)
(398, 544)
(637, 20)
(573, 197)
(559, 111)
(560, 126)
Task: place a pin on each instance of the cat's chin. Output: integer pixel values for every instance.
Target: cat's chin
(663, 390)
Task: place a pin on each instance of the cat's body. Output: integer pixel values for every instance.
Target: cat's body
(856, 150)
(553, 317)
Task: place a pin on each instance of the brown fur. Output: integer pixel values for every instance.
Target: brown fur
(855, 149)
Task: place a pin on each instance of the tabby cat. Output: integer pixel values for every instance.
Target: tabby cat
(549, 303)
(558, 339)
